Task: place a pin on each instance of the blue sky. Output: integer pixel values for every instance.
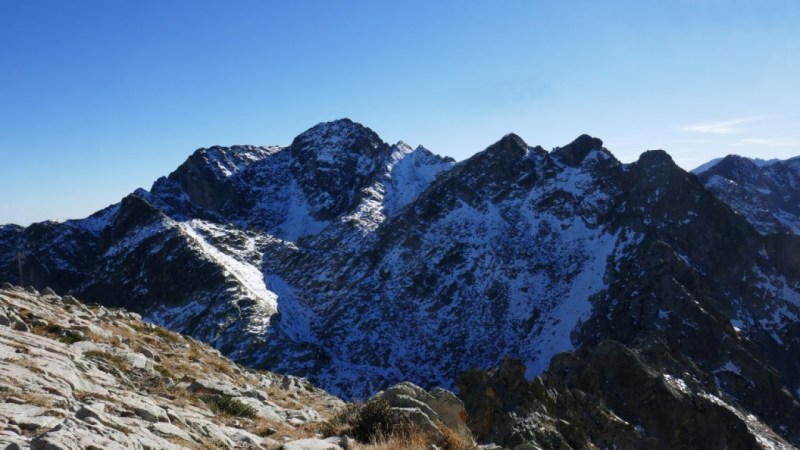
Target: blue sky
(101, 97)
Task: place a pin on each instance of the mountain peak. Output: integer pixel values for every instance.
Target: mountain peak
(341, 133)
(574, 153)
(655, 158)
(333, 161)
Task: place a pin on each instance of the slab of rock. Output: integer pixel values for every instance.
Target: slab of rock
(310, 444)
(212, 387)
(69, 398)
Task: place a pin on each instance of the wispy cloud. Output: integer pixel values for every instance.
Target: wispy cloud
(720, 127)
(769, 142)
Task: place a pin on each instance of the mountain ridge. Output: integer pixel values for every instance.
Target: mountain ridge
(362, 271)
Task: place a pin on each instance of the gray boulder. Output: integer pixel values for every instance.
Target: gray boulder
(437, 405)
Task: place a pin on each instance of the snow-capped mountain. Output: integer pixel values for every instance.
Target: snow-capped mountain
(359, 264)
(767, 193)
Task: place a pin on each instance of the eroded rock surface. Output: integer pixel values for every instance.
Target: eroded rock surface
(83, 376)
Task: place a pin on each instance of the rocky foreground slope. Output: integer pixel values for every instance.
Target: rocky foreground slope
(83, 376)
(75, 376)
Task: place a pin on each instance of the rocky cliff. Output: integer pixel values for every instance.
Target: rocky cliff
(765, 192)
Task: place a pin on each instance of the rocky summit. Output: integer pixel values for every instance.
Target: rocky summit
(572, 300)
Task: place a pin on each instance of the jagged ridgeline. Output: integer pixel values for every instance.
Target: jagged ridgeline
(359, 264)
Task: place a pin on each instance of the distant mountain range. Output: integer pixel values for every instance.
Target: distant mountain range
(765, 192)
(359, 264)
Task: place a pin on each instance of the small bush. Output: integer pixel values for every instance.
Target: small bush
(342, 423)
(163, 371)
(367, 423)
(71, 338)
(166, 335)
(112, 360)
(375, 419)
(53, 328)
(56, 331)
(229, 406)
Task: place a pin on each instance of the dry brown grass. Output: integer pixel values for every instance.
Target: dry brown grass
(453, 440)
(414, 439)
(28, 363)
(372, 424)
(411, 440)
(32, 398)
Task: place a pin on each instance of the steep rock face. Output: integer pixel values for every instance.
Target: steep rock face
(765, 192)
(606, 397)
(332, 162)
(56, 254)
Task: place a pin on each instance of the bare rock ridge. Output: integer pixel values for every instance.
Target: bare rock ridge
(359, 264)
(765, 192)
(84, 376)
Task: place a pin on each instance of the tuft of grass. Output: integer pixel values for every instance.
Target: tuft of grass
(229, 406)
(71, 338)
(453, 440)
(56, 331)
(163, 371)
(166, 335)
(113, 360)
(342, 423)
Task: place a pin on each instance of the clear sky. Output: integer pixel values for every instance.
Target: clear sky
(98, 98)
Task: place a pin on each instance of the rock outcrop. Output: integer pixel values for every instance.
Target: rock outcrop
(77, 376)
(439, 406)
(611, 397)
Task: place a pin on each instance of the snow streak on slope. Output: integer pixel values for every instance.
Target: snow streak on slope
(299, 221)
(408, 173)
(765, 192)
(574, 307)
(247, 273)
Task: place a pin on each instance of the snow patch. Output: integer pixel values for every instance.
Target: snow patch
(248, 275)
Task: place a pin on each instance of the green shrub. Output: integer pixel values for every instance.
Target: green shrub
(375, 419)
(226, 405)
(112, 360)
(71, 338)
(342, 423)
(163, 371)
(368, 423)
(53, 328)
